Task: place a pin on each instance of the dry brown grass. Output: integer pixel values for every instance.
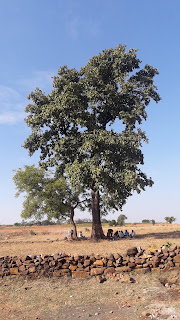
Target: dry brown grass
(47, 299)
(51, 299)
(49, 239)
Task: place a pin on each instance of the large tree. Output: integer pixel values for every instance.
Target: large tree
(88, 127)
(47, 196)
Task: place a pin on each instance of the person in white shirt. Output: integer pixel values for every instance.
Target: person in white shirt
(80, 234)
(133, 234)
(70, 234)
(121, 234)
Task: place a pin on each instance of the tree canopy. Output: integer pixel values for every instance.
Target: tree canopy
(170, 219)
(73, 127)
(45, 195)
(121, 219)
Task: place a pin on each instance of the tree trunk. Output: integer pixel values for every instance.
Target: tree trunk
(73, 223)
(97, 231)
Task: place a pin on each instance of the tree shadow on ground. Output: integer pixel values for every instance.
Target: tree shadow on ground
(160, 235)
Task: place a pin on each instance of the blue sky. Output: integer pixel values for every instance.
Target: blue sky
(39, 36)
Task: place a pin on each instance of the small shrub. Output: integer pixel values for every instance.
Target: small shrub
(167, 245)
(32, 233)
(112, 223)
(17, 224)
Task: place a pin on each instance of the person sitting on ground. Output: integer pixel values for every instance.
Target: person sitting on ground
(116, 235)
(121, 234)
(109, 233)
(80, 234)
(133, 234)
(126, 234)
(70, 234)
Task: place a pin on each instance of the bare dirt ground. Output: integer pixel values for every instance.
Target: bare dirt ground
(51, 299)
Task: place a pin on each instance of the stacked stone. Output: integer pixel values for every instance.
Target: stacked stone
(86, 266)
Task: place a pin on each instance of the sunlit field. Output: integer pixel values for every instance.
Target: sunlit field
(50, 239)
(64, 298)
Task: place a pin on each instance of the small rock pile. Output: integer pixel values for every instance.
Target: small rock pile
(87, 266)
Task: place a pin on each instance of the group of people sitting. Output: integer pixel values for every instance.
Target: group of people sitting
(117, 234)
(71, 234)
(120, 234)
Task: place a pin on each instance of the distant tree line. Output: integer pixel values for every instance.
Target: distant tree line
(119, 222)
(149, 221)
(167, 219)
(36, 223)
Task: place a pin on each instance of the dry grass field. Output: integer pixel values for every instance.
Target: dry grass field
(49, 239)
(66, 298)
(58, 299)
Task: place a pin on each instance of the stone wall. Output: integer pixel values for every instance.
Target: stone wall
(86, 266)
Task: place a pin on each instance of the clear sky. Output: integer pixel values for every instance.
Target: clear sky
(39, 36)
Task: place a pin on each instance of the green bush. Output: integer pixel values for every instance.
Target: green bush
(121, 219)
(32, 233)
(112, 223)
(170, 219)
